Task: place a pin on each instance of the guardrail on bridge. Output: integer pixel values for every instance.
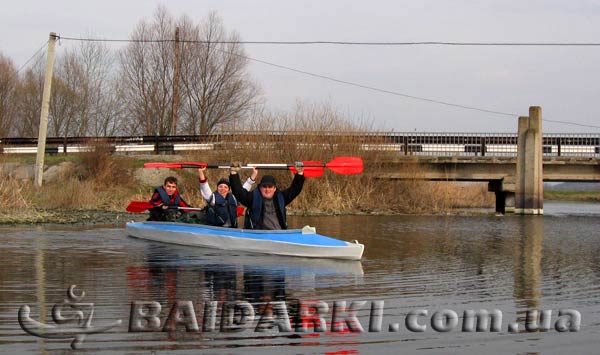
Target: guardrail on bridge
(411, 143)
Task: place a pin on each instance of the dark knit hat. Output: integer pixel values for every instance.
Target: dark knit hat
(223, 181)
(267, 180)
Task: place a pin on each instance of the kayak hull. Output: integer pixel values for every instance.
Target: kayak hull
(294, 242)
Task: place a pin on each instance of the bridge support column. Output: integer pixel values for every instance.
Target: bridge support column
(509, 201)
(505, 194)
(529, 196)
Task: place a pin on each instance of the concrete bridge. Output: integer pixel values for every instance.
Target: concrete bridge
(499, 172)
(516, 180)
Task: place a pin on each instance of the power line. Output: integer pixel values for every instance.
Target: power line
(33, 56)
(372, 88)
(350, 43)
(405, 95)
(377, 89)
(324, 77)
(571, 123)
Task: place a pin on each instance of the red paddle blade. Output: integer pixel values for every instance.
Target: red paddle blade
(346, 165)
(314, 171)
(138, 206)
(174, 165)
(240, 211)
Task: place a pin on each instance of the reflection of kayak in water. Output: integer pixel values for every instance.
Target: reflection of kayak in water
(291, 242)
(164, 255)
(238, 275)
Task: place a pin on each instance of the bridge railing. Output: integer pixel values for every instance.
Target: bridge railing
(488, 144)
(403, 143)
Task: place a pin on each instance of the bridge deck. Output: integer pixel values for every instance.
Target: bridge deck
(485, 169)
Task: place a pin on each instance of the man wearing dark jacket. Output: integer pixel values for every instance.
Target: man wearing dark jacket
(266, 204)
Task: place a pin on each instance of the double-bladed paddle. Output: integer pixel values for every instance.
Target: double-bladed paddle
(312, 169)
(142, 206)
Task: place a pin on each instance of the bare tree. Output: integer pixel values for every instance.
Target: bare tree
(217, 88)
(67, 101)
(110, 115)
(84, 99)
(103, 107)
(8, 88)
(63, 109)
(147, 72)
(30, 101)
(214, 85)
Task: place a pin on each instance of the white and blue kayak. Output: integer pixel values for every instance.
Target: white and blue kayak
(303, 242)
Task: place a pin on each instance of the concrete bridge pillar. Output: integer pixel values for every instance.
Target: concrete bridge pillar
(529, 192)
(505, 201)
(505, 194)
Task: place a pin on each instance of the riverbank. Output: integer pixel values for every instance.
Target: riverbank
(94, 217)
(96, 187)
(118, 217)
(82, 217)
(101, 181)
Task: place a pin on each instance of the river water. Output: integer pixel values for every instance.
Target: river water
(432, 270)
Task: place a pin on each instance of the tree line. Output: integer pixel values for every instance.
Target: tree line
(196, 85)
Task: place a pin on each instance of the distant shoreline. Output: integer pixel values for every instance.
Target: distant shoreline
(102, 217)
(565, 195)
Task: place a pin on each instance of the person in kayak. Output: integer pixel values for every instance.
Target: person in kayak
(222, 205)
(166, 199)
(266, 204)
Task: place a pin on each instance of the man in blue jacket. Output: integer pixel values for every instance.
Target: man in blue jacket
(265, 204)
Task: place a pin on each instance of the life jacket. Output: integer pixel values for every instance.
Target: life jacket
(166, 200)
(223, 208)
(158, 213)
(253, 218)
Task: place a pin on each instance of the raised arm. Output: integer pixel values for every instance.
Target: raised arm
(251, 180)
(204, 187)
(242, 195)
(295, 188)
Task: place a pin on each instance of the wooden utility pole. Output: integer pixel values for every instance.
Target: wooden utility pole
(175, 85)
(41, 148)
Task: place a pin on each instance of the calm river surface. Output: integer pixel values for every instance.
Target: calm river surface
(438, 264)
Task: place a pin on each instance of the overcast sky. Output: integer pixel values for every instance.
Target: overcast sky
(565, 81)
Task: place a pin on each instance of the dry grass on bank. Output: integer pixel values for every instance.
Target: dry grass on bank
(95, 180)
(99, 180)
(17, 201)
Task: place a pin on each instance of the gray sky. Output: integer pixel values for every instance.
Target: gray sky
(565, 81)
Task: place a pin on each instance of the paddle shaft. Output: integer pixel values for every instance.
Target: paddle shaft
(250, 166)
(141, 206)
(339, 165)
(185, 208)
